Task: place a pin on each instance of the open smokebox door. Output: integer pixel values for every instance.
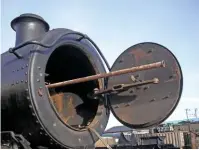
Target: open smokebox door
(143, 88)
(145, 105)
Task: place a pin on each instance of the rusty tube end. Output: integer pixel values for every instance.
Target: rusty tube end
(155, 80)
(163, 64)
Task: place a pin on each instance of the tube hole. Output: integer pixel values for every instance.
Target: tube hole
(67, 63)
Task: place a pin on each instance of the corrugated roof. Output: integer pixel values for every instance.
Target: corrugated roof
(118, 129)
(114, 135)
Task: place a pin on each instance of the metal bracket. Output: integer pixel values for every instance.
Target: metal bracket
(11, 50)
(122, 87)
(11, 140)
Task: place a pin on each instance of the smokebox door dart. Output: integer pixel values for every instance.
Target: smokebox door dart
(57, 93)
(121, 87)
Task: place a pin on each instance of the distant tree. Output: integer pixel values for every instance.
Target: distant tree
(184, 122)
(169, 124)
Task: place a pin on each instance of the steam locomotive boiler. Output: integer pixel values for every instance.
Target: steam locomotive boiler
(56, 91)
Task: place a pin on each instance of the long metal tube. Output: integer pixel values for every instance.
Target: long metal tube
(110, 74)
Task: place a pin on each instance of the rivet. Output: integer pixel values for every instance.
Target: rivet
(38, 80)
(120, 61)
(33, 114)
(137, 75)
(12, 84)
(152, 100)
(29, 133)
(79, 140)
(22, 67)
(17, 82)
(39, 67)
(40, 133)
(45, 134)
(151, 50)
(101, 126)
(26, 90)
(41, 129)
(26, 81)
(26, 73)
(165, 97)
(54, 124)
(27, 97)
(21, 81)
(131, 91)
(133, 78)
(146, 87)
(30, 106)
(127, 105)
(37, 121)
(51, 143)
(40, 92)
(26, 65)
(17, 69)
(13, 71)
(46, 74)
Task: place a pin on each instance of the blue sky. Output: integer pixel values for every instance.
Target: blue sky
(116, 25)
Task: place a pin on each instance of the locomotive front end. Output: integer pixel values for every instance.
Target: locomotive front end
(56, 91)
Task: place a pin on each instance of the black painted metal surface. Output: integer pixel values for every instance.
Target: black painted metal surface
(148, 105)
(26, 103)
(28, 27)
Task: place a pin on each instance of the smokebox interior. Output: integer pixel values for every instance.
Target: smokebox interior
(71, 103)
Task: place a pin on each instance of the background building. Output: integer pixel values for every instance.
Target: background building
(181, 134)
